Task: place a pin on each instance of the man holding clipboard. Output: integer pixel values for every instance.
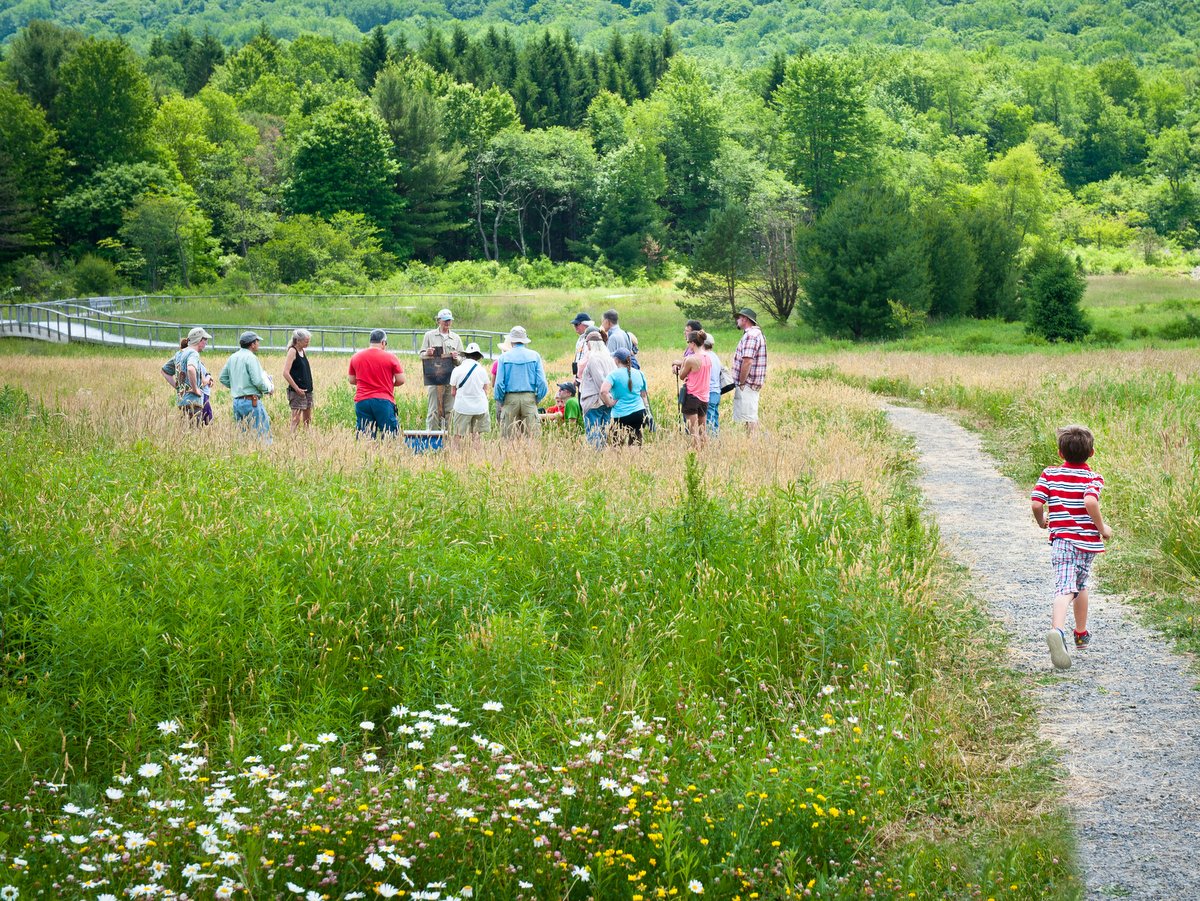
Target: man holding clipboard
(441, 351)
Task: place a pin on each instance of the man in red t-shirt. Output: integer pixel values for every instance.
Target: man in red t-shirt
(375, 374)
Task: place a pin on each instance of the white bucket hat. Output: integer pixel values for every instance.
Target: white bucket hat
(516, 335)
(473, 348)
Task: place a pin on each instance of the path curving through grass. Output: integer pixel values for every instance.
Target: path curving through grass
(1125, 717)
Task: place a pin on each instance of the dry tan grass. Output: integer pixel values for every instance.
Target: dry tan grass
(812, 429)
(1008, 371)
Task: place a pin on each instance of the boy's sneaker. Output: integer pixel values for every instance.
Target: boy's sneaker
(1083, 639)
(1057, 641)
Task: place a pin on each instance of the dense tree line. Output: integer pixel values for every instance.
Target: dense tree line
(866, 188)
(723, 30)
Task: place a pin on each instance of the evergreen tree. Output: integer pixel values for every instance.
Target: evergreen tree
(631, 181)
(953, 271)
(372, 57)
(31, 170)
(997, 243)
(775, 75)
(202, 60)
(721, 261)
(1053, 289)
(434, 165)
(865, 262)
(34, 59)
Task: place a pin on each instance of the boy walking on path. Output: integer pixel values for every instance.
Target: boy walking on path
(1077, 534)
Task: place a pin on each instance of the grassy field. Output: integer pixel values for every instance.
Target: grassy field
(330, 666)
(1127, 311)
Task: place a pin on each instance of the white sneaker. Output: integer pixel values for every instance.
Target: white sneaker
(1058, 649)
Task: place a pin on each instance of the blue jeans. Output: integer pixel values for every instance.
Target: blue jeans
(252, 416)
(595, 424)
(376, 417)
(714, 411)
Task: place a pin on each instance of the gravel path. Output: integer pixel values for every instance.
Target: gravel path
(1126, 716)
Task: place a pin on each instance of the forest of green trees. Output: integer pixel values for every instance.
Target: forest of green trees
(889, 181)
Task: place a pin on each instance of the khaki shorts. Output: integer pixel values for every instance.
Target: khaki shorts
(299, 400)
(745, 405)
(471, 423)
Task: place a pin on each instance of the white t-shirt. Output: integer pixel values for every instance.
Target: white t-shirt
(470, 397)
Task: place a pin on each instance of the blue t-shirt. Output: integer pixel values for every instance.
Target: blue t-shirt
(629, 400)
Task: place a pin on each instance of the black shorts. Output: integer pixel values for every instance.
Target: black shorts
(694, 406)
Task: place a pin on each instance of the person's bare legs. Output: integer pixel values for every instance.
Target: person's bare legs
(296, 417)
(307, 418)
(1058, 616)
(1081, 611)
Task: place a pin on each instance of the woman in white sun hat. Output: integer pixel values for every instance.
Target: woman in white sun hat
(469, 385)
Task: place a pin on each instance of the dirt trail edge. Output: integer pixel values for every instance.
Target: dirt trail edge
(1126, 716)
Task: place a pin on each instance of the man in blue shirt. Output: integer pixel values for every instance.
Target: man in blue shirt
(520, 384)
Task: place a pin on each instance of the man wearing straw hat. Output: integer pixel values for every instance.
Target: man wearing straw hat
(444, 346)
(520, 384)
(749, 370)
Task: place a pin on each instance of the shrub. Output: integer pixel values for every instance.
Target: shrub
(1179, 329)
(94, 276)
(1053, 290)
(1104, 336)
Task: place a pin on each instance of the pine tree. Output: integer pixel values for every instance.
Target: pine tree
(372, 57)
(865, 260)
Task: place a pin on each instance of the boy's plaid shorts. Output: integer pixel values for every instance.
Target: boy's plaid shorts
(1071, 567)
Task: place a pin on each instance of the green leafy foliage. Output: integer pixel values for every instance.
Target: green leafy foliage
(342, 162)
(105, 107)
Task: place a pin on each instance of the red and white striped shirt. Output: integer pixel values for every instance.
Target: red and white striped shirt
(1063, 490)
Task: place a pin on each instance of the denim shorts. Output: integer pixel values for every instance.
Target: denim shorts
(1071, 567)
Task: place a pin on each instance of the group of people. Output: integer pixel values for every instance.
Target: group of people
(607, 398)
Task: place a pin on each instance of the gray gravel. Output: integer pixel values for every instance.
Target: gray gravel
(1126, 716)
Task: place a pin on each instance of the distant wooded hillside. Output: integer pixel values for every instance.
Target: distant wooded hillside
(1146, 30)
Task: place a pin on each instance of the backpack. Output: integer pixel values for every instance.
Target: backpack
(181, 379)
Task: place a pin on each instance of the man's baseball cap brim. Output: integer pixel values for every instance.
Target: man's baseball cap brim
(581, 318)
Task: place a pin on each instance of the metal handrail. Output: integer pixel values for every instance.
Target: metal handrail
(89, 320)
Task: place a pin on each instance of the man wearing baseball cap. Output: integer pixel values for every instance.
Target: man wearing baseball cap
(190, 380)
(440, 342)
(244, 377)
(581, 322)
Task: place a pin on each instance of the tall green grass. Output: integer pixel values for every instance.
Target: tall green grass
(791, 641)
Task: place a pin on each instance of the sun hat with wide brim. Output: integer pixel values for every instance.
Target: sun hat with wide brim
(749, 314)
(472, 348)
(517, 335)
